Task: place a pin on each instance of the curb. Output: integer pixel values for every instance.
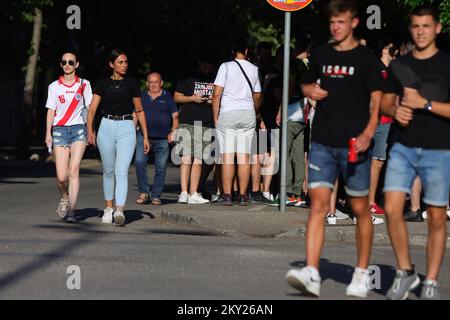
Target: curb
(184, 219)
(178, 218)
(331, 234)
(349, 237)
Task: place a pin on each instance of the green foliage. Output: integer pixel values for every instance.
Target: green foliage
(444, 8)
(445, 15)
(259, 33)
(23, 8)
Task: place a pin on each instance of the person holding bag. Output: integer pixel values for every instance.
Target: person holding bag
(237, 96)
(66, 132)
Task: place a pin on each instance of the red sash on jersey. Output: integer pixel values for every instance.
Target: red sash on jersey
(73, 106)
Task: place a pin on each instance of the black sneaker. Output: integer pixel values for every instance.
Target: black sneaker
(411, 216)
(224, 201)
(71, 218)
(244, 201)
(235, 197)
(206, 195)
(257, 197)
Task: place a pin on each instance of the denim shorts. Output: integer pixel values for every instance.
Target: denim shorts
(325, 164)
(432, 166)
(380, 142)
(66, 136)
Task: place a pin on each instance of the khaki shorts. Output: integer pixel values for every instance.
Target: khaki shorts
(194, 141)
(236, 131)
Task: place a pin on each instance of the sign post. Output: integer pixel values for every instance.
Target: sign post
(288, 6)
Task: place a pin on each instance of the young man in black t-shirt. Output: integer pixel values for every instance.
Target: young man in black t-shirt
(350, 85)
(194, 95)
(417, 94)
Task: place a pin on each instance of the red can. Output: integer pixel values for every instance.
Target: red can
(352, 153)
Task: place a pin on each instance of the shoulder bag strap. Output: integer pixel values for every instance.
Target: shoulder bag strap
(246, 77)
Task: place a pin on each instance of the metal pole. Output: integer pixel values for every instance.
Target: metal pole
(284, 152)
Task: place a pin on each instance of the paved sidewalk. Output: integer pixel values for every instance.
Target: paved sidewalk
(263, 221)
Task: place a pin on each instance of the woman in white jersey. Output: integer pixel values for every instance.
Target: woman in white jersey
(66, 132)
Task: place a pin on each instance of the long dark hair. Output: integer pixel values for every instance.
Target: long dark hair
(112, 58)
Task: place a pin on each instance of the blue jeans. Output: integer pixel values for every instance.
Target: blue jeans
(325, 163)
(432, 166)
(116, 142)
(162, 151)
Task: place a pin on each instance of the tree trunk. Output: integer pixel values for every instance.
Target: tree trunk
(30, 80)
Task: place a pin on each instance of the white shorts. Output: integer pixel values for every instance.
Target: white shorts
(235, 131)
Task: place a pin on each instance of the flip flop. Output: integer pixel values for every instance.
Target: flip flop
(156, 202)
(143, 199)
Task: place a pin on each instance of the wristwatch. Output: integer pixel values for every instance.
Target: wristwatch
(428, 106)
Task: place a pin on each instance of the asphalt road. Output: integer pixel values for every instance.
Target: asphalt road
(149, 258)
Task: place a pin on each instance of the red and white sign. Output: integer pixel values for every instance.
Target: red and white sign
(289, 5)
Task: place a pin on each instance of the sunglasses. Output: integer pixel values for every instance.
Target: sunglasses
(70, 62)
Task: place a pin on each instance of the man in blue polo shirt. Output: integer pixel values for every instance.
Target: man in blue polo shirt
(162, 120)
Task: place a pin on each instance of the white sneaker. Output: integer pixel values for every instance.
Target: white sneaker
(63, 209)
(119, 218)
(183, 198)
(375, 221)
(425, 214)
(108, 216)
(359, 287)
(306, 280)
(341, 216)
(332, 219)
(197, 199)
(268, 196)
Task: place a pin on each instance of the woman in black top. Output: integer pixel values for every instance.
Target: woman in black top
(121, 99)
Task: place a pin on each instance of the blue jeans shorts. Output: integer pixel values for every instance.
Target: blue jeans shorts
(380, 142)
(66, 136)
(432, 166)
(325, 164)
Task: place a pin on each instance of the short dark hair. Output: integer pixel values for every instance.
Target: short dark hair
(207, 57)
(382, 44)
(239, 45)
(336, 7)
(425, 11)
(264, 46)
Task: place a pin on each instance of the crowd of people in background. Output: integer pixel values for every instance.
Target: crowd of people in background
(223, 122)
